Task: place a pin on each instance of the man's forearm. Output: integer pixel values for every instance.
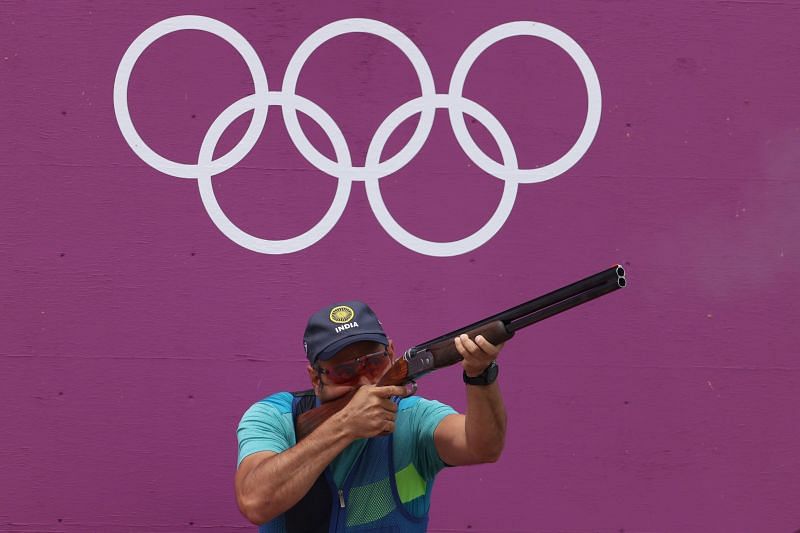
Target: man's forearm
(280, 481)
(485, 423)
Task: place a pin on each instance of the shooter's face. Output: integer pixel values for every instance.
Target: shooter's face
(361, 363)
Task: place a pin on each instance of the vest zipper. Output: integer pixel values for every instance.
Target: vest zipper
(346, 485)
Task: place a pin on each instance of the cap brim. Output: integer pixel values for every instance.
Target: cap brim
(333, 349)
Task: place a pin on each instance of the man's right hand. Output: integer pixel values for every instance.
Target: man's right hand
(371, 411)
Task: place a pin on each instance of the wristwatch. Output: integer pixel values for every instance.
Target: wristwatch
(487, 377)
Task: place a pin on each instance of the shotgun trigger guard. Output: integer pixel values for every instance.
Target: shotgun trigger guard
(419, 363)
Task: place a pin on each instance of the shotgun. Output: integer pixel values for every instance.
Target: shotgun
(441, 351)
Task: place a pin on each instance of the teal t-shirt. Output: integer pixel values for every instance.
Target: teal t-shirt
(267, 426)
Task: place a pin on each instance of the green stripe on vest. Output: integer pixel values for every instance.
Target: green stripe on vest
(410, 484)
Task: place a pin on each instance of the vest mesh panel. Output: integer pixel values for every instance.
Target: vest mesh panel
(369, 503)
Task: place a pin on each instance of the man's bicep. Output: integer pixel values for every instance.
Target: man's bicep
(253, 460)
(249, 463)
(450, 439)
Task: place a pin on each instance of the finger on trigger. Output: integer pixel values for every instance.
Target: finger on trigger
(390, 390)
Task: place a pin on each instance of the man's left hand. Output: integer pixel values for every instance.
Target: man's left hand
(477, 354)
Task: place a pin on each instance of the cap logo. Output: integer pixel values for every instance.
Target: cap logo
(341, 314)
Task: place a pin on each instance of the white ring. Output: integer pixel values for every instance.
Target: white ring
(132, 54)
(218, 216)
(492, 226)
(566, 43)
(394, 36)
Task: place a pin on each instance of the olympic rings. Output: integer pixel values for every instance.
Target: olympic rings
(425, 105)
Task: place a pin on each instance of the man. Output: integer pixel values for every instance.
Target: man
(371, 466)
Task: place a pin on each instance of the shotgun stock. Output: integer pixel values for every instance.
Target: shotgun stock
(441, 351)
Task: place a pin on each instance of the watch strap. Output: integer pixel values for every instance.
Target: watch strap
(487, 377)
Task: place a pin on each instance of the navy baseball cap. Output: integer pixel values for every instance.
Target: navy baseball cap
(332, 328)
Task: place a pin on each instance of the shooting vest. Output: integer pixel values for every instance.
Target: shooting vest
(367, 502)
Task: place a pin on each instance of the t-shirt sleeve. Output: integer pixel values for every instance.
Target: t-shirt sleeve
(266, 426)
(427, 415)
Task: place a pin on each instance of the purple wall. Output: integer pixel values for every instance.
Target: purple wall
(135, 332)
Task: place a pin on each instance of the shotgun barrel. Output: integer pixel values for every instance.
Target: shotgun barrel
(441, 351)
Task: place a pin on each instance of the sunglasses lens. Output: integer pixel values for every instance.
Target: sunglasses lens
(374, 362)
(344, 373)
(348, 373)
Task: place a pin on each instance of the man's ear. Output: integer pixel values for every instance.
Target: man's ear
(313, 375)
(390, 348)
